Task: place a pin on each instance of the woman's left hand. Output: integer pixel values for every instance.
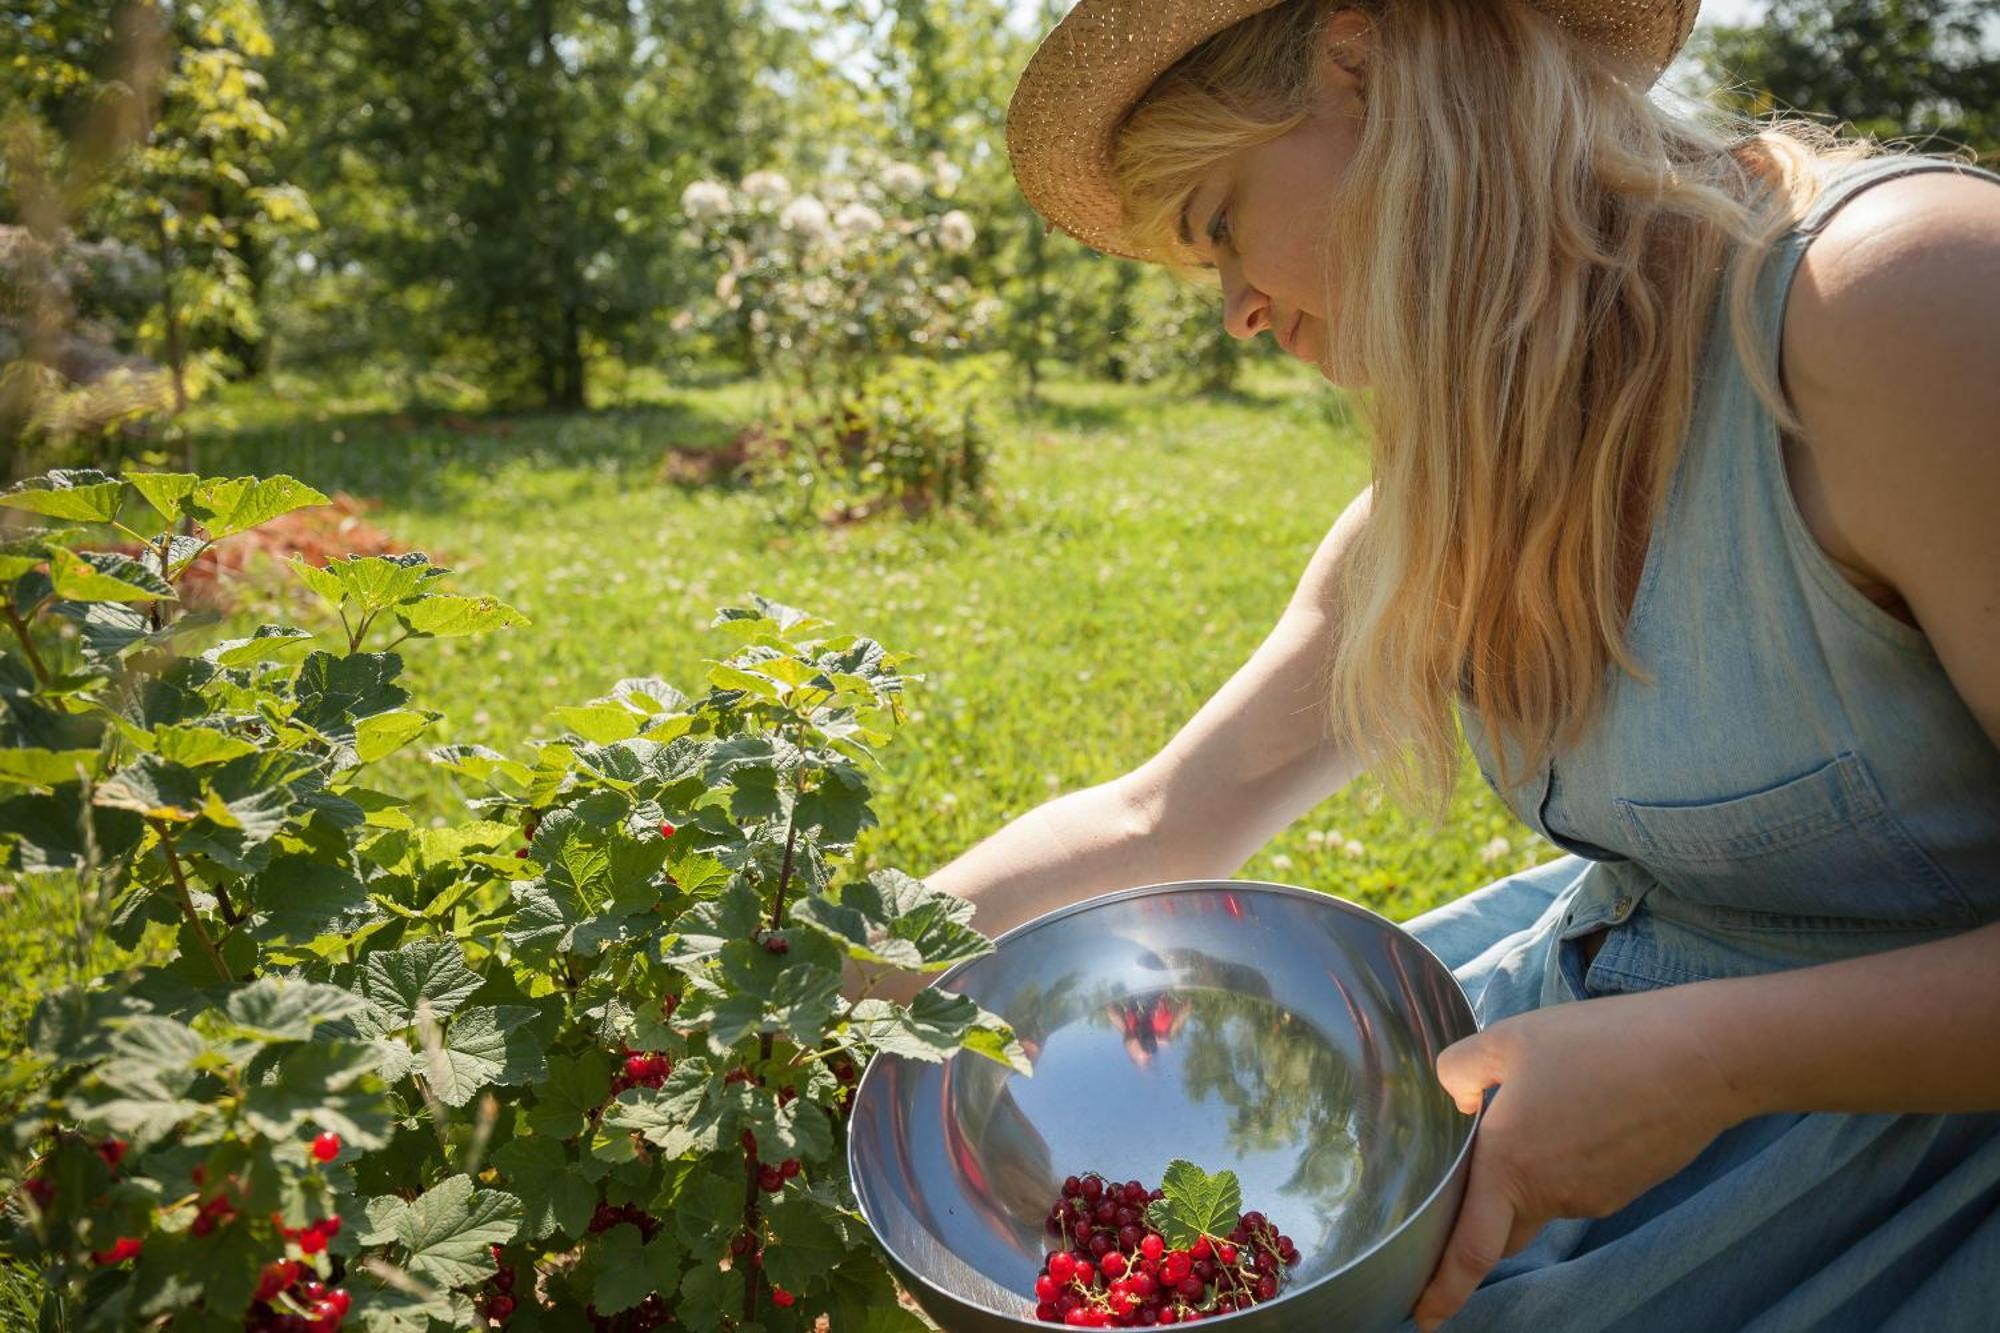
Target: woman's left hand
(1598, 1101)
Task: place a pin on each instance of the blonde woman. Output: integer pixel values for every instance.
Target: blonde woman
(1685, 446)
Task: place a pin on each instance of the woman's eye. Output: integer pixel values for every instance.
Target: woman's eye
(1220, 232)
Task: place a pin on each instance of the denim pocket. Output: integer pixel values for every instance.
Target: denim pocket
(1817, 851)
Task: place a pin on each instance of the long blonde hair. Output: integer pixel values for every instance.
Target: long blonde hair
(1531, 248)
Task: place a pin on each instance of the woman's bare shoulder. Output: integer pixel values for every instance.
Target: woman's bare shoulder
(1891, 359)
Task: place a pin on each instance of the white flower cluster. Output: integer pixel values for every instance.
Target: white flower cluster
(956, 233)
(705, 201)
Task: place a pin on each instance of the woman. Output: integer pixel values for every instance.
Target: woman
(1684, 467)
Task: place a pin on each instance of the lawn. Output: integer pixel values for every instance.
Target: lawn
(1145, 544)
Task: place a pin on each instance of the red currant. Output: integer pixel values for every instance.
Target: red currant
(326, 1147)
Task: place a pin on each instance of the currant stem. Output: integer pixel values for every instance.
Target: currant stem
(187, 900)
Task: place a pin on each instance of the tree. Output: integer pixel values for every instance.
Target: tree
(512, 168)
(1890, 68)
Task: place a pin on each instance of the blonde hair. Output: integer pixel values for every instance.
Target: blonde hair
(1531, 249)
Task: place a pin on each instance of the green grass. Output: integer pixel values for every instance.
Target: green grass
(1146, 543)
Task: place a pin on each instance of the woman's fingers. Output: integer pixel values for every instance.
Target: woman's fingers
(1486, 1229)
(1467, 1068)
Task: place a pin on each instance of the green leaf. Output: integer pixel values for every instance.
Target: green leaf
(225, 507)
(600, 724)
(443, 616)
(934, 1025)
(164, 491)
(334, 692)
(553, 1196)
(105, 576)
(84, 495)
(631, 1268)
(481, 764)
(896, 919)
(191, 745)
(321, 1083)
(431, 970)
(863, 1298)
(575, 1086)
(271, 643)
(448, 1232)
(285, 1009)
(20, 554)
(154, 788)
(385, 733)
(484, 1045)
(1196, 1204)
(804, 1248)
(302, 898)
(45, 769)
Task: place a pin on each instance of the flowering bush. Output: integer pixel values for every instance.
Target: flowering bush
(837, 280)
(834, 285)
(581, 1060)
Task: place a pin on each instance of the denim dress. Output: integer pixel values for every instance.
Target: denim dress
(1799, 783)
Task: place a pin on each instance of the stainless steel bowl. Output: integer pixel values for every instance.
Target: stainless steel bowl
(1282, 1034)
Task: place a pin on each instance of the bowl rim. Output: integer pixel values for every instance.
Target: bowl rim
(1153, 890)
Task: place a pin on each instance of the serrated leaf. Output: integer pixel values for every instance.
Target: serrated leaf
(444, 615)
(285, 1009)
(804, 1247)
(83, 495)
(385, 733)
(575, 1086)
(105, 576)
(448, 1231)
(1196, 1204)
(431, 970)
(600, 724)
(164, 491)
(553, 1196)
(482, 1046)
(481, 764)
(226, 506)
(271, 643)
(192, 745)
(896, 919)
(934, 1025)
(303, 898)
(631, 1268)
(322, 1083)
(154, 788)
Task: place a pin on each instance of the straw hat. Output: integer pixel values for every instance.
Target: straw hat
(1104, 56)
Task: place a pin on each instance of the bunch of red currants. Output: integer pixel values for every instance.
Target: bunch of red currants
(1112, 1270)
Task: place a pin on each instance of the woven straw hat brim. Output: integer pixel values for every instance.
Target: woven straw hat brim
(1105, 54)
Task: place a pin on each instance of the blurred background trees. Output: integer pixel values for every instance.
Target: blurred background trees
(479, 205)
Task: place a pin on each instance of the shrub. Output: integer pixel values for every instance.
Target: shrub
(579, 1060)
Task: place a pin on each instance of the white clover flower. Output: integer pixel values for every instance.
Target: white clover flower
(805, 215)
(1494, 850)
(956, 232)
(703, 200)
(1315, 838)
(767, 187)
(1354, 850)
(1281, 862)
(858, 220)
(903, 180)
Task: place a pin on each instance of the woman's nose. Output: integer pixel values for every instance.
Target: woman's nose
(1246, 312)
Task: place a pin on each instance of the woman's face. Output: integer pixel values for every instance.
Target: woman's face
(1257, 216)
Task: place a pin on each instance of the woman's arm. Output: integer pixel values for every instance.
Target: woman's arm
(1600, 1100)
(1255, 757)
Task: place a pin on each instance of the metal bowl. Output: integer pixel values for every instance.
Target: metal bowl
(1282, 1034)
